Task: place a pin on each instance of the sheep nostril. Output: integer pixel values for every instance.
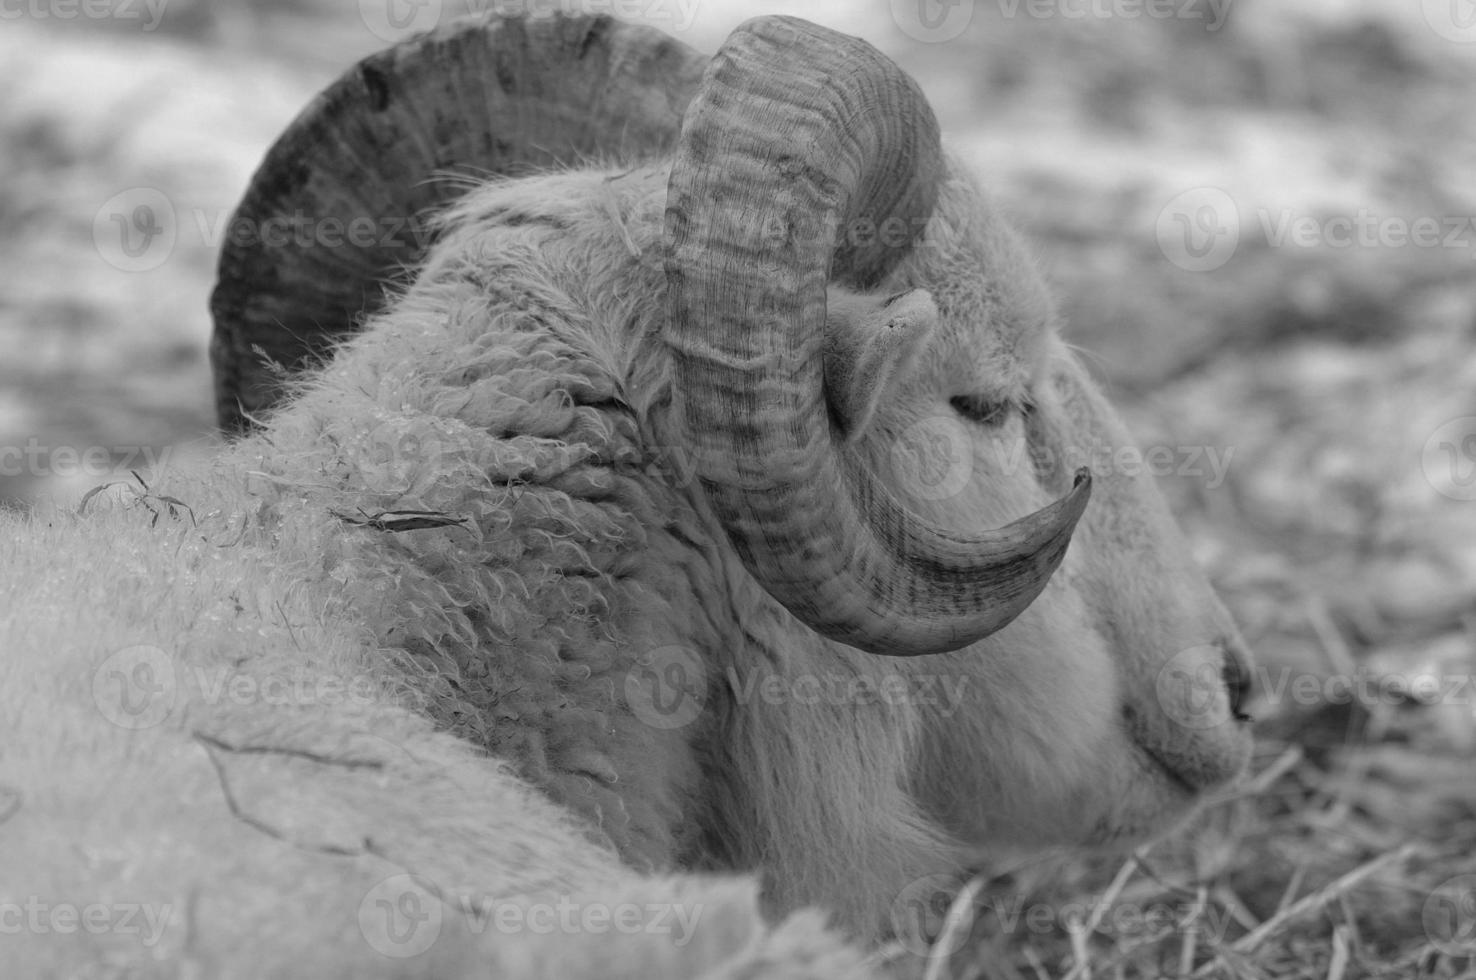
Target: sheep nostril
(1236, 674)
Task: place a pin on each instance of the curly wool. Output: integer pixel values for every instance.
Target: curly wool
(465, 404)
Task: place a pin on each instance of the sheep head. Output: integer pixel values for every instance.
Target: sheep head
(838, 295)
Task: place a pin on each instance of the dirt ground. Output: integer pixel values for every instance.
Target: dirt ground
(1259, 216)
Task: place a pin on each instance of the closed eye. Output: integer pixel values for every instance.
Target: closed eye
(984, 411)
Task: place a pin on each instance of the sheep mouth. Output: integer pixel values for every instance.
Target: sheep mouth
(1158, 800)
(1195, 759)
(1190, 780)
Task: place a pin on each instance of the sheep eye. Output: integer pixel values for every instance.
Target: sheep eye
(982, 410)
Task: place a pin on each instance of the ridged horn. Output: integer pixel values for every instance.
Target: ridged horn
(345, 190)
(799, 141)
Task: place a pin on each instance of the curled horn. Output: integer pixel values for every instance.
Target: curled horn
(798, 136)
(338, 207)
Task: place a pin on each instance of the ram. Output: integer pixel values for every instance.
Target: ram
(655, 565)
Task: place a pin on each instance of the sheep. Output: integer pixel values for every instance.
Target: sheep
(596, 599)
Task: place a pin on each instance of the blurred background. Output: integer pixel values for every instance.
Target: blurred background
(1260, 217)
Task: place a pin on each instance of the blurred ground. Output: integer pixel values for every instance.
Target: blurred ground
(1261, 225)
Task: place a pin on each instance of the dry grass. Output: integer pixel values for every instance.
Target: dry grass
(1340, 861)
(1322, 370)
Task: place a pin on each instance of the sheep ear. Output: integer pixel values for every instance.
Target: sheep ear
(871, 346)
